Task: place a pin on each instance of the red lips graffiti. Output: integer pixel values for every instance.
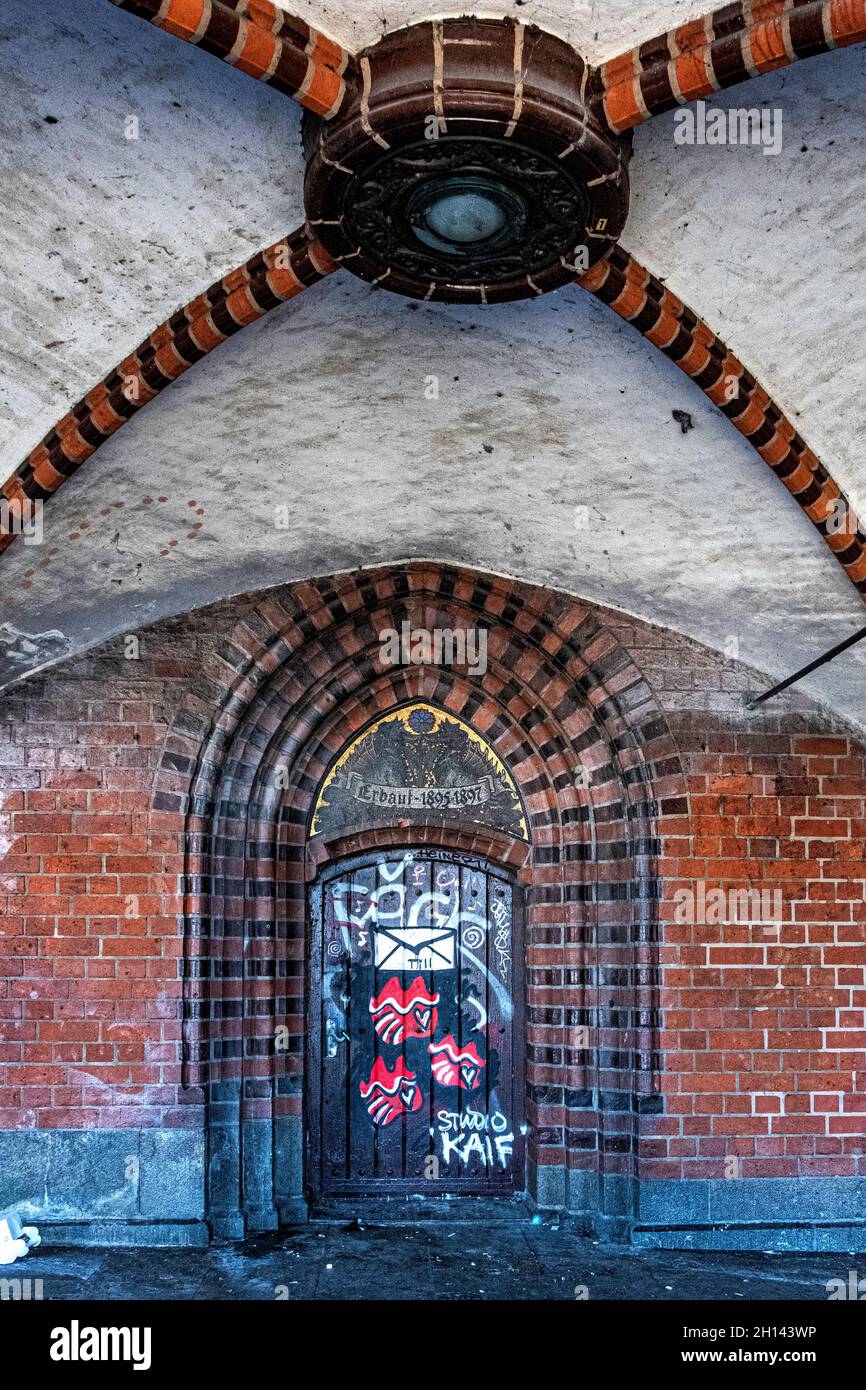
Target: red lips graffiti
(399, 1014)
(389, 1092)
(455, 1066)
(405, 1013)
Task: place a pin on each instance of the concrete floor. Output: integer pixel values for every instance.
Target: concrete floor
(430, 1261)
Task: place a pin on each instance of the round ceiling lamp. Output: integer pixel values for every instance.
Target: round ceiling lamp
(470, 163)
(466, 214)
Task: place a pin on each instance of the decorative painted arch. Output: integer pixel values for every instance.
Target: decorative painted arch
(438, 746)
(560, 699)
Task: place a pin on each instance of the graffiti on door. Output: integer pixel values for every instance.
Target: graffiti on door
(488, 1136)
(417, 989)
(388, 1093)
(404, 1013)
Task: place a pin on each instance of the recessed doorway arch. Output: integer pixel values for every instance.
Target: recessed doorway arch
(580, 734)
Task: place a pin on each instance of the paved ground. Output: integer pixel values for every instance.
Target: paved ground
(432, 1261)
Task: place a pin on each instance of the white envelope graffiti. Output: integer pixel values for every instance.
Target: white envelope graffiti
(415, 948)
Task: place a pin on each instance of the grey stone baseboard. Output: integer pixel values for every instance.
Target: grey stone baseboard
(142, 1234)
(147, 1187)
(816, 1239)
(106, 1186)
(796, 1215)
(792, 1214)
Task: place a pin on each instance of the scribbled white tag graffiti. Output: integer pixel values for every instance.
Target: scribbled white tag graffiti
(475, 1134)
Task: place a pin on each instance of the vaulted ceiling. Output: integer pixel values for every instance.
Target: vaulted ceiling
(138, 169)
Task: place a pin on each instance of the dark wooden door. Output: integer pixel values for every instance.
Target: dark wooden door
(415, 1053)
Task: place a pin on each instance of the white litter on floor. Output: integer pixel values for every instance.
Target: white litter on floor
(15, 1239)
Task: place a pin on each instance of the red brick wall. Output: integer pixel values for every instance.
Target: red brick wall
(764, 1028)
(763, 1037)
(89, 877)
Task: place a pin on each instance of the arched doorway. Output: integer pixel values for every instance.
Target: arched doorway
(415, 1044)
(586, 778)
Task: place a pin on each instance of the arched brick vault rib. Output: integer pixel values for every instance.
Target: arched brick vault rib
(293, 684)
(269, 278)
(288, 267)
(740, 40)
(726, 46)
(637, 296)
(262, 40)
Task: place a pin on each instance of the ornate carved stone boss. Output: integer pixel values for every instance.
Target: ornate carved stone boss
(469, 163)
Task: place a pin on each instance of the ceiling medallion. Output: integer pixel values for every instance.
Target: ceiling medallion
(470, 164)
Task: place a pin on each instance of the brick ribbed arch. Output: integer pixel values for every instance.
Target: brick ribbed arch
(729, 45)
(639, 297)
(259, 39)
(299, 677)
(726, 46)
(269, 278)
(287, 268)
